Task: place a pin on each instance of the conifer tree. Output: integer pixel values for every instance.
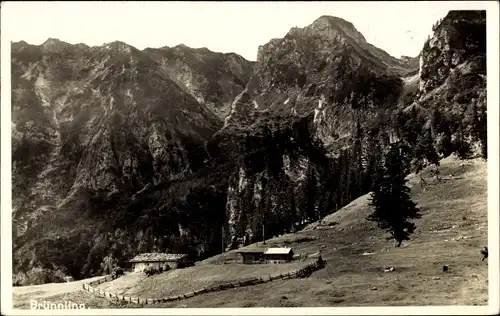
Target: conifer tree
(445, 145)
(437, 122)
(442, 131)
(393, 207)
(373, 161)
(344, 178)
(356, 164)
(409, 127)
(425, 153)
(333, 182)
(311, 194)
(461, 146)
(480, 129)
(293, 210)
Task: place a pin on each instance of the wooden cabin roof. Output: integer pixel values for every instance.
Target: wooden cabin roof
(278, 251)
(158, 257)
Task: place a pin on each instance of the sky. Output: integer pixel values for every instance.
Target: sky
(399, 28)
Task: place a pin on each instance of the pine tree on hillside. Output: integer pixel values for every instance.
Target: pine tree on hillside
(438, 123)
(356, 164)
(373, 162)
(393, 207)
(409, 126)
(442, 126)
(333, 182)
(293, 210)
(480, 129)
(312, 194)
(445, 145)
(469, 119)
(460, 144)
(344, 183)
(425, 153)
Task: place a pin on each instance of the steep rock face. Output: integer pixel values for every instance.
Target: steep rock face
(328, 78)
(459, 39)
(412, 61)
(214, 79)
(94, 120)
(326, 69)
(452, 75)
(278, 176)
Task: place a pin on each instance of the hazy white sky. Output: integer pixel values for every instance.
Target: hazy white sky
(399, 28)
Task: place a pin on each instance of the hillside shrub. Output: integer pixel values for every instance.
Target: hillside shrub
(117, 272)
(153, 271)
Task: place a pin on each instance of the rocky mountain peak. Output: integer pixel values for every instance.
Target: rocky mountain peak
(21, 46)
(326, 69)
(119, 47)
(82, 46)
(213, 79)
(15, 45)
(328, 23)
(54, 43)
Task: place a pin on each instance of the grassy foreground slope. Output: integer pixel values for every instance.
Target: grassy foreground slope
(452, 231)
(182, 281)
(22, 295)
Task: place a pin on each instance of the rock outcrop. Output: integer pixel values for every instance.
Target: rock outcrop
(214, 79)
(326, 69)
(458, 43)
(94, 122)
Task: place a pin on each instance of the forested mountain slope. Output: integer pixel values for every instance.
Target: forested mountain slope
(118, 151)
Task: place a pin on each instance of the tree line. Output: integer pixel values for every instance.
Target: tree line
(383, 152)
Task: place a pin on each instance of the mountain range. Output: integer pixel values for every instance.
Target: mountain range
(117, 151)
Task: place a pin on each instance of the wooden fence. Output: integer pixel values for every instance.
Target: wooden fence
(301, 273)
(102, 280)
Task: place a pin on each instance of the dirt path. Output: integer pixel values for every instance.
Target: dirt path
(23, 294)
